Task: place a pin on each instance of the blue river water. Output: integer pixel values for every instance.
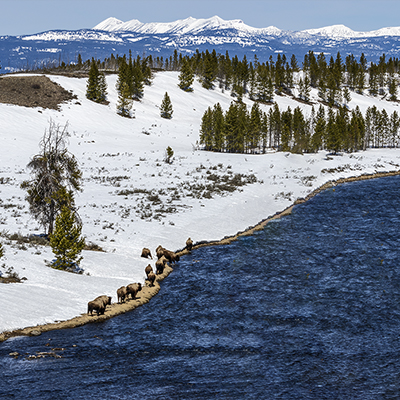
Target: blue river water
(308, 308)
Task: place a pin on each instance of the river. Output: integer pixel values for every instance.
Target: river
(308, 308)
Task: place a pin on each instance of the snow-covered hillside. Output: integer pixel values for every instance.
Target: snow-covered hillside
(132, 199)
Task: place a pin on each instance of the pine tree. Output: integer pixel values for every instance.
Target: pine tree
(286, 129)
(333, 142)
(65, 241)
(304, 88)
(1, 250)
(241, 128)
(186, 77)
(254, 130)
(275, 122)
(227, 67)
(166, 107)
(265, 87)
(206, 129)
(394, 125)
(285, 137)
(384, 123)
(169, 153)
(279, 74)
(322, 87)
(221, 72)
(360, 79)
(357, 129)
(342, 131)
(102, 98)
(392, 86)
(368, 128)
(137, 79)
(124, 103)
(264, 132)
(218, 122)
(209, 72)
(300, 132)
(289, 77)
(146, 70)
(293, 64)
(269, 98)
(252, 82)
(96, 89)
(381, 74)
(373, 80)
(319, 130)
(230, 127)
(346, 96)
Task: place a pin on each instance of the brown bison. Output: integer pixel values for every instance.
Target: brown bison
(133, 289)
(121, 294)
(159, 251)
(105, 299)
(162, 260)
(96, 305)
(189, 244)
(146, 253)
(151, 278)
(171, 256)
(147, 270)
(160, 265)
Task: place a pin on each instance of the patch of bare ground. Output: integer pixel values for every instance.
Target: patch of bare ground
(33, 91)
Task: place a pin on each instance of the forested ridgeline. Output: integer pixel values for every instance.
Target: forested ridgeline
(334, 78)
(334, 128)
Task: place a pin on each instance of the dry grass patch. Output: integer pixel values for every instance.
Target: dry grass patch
(33, 91)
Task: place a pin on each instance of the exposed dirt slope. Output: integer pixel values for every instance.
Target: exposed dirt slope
(33, 91)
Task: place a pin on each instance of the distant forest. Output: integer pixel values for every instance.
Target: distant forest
(331, 125)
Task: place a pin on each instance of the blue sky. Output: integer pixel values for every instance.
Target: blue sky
(19, 17)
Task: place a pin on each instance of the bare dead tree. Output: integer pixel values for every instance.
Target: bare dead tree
(55, 177)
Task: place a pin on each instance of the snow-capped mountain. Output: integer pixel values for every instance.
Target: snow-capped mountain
(188, 35)
(180, 27)
(342, 31)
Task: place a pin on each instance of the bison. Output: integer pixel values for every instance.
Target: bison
(160, 265)
(133, 289)
(159, 251)
(147, 270)
(151, 278)
(146, 253)
(121, 294)
(171, 256)
(105, 299)
(189, 244)
(96, 305)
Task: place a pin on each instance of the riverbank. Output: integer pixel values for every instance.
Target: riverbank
(148, 292)
(288, 210)
(143, 297)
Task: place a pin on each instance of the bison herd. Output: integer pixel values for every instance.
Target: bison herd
(164, 257)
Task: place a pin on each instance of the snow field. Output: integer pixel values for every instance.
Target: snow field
(126, 183)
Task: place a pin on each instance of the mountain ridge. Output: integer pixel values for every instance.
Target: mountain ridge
(187, 36)
(191, 25)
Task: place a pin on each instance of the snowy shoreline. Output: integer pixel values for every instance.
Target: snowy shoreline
(132, 199)
(148, 292)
